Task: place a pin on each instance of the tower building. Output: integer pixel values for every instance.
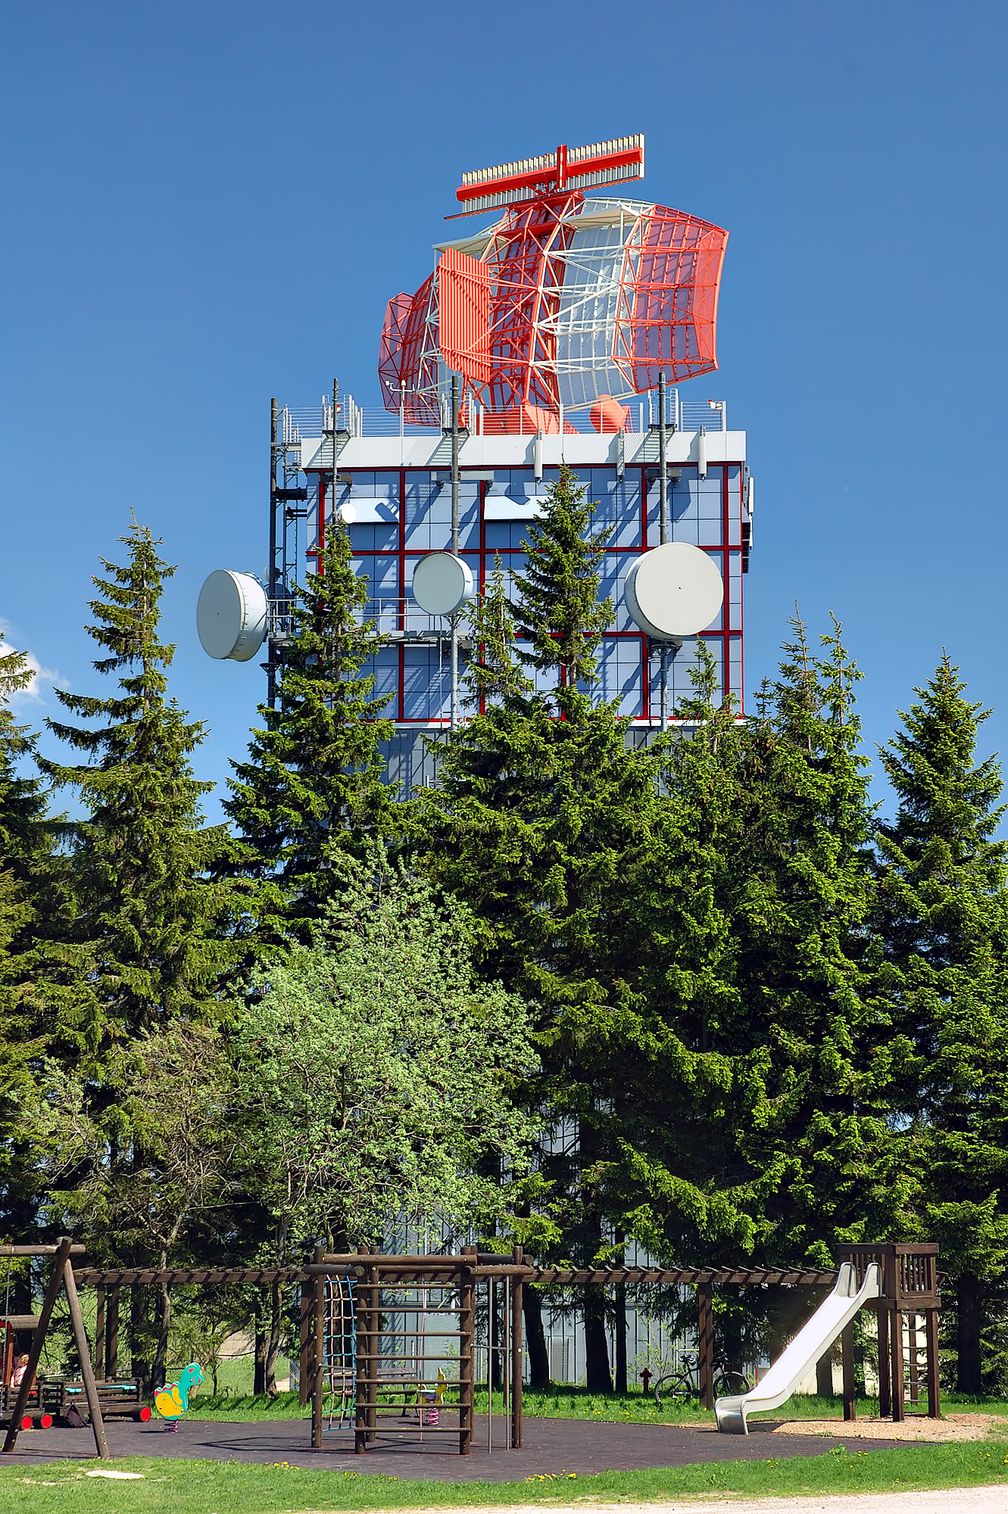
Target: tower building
(563, 333)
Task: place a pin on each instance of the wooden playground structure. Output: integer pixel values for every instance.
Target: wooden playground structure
(388, 1344)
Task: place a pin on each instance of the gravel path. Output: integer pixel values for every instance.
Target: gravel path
(947, 1501)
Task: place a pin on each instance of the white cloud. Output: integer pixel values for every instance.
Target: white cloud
(42, 678)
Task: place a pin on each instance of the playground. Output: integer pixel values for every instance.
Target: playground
(391, 1413)
(550, 1446)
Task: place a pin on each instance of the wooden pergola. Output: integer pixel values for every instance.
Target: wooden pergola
(909, 1289)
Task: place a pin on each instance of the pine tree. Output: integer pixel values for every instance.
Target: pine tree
(819, 1032)
(313, 784)
(943, 913)
(494, 673)
(31, 889)
(535, 824)
(17, 1189)
(686, 1190)
(148, 922)
(557, 606)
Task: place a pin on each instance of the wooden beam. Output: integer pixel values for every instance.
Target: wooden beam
(933, 1361)
(517, 1353)
(84, 1353)
(847, 1366)
(884, 1365)
(61, 1253)
(112, 1333)
(467, 1366)
(75, 1250)
(318, 1358)
(705, 1344)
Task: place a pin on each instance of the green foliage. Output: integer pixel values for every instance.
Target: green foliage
(147, 929)
(943, 914)
(375, 1069)
(30, 891)
(557, 607)
(820, 1035)
(312, 787)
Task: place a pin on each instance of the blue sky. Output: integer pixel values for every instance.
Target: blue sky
(206, 205)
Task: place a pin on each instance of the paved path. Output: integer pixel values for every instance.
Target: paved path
(549, 1445)
(950, 1501)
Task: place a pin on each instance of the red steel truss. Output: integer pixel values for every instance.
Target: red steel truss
(562, 302)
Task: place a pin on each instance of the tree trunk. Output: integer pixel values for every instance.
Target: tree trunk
(968, 1321)
(535, 1338)
(259, 1367)
(597, 1375)
(273, 1343)
(620, 1330)
(164, 1314)
(139, 1360)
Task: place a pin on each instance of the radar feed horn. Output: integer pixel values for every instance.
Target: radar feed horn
(551, 173)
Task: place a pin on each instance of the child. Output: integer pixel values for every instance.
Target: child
(20, 1368)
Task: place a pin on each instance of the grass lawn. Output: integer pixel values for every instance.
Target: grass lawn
(205, 1487)
(578, 1403)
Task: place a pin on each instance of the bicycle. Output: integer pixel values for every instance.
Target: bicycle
(684, 1382)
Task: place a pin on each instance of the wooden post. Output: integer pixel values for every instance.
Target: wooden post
(99, 1333)
(884, 1368)
(362, 1387)
(933, 1363)
(517, 1354)
(374, 1348)
(38, 1341)
(467, 1333)
(318, 1354)
(847, 1362)
(304, 1342)
(84, 1352)
(896, 1357)
(705, 1343)
(112, 1332)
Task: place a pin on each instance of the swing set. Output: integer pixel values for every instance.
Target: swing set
(60, 1279)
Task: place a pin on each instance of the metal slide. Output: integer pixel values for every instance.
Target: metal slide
(813, 1339)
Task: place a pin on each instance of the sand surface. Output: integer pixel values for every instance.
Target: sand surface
(952, 1427)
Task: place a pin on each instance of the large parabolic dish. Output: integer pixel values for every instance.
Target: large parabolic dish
(232, 615)
(673, 591)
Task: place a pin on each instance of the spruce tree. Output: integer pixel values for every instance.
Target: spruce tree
(313, 784)
(557, 608)
(943, 913)
(819, 1032)
(148, 925)
(32, 886)
(18, 854)
(535, 823)
(686, 1189)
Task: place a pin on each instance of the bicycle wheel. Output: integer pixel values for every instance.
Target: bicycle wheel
(673, 1388)
(729, 1384)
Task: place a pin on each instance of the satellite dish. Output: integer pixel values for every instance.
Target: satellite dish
(673, 591)
(232, 615)
(442, 583)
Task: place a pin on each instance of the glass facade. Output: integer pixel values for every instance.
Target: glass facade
(412, 670)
